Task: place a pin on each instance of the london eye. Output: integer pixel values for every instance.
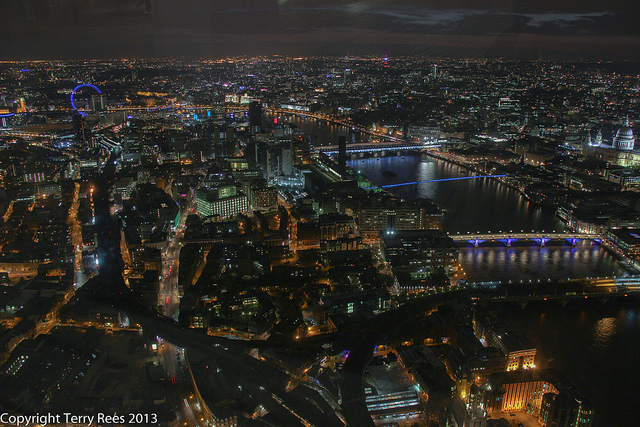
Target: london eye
(81, 95)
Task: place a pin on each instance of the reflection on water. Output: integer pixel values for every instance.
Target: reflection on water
(604, 331)
(474, 205)
(485, 264)
(595, 346)
(321, 133)
(484, 205)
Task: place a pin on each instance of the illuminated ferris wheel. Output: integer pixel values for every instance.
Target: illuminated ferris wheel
(83, 98)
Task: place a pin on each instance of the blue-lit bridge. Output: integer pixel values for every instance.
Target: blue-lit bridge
(508, 238)
(459, 178)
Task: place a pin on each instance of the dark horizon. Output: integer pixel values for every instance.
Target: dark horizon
(102, 29)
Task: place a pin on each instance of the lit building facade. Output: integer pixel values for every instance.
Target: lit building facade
(264, 198)
(395, 214)
(520, 355)
(388, 407)
(210, 205)
(624, 241)
(518, 391)
(621, 152)
(424, 133)
(338, 233)
(335, 226)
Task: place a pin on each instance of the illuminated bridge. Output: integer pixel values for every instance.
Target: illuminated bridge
(373, 148)
(440, 180)
(508, 238)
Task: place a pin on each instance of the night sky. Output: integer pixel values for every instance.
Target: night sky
(104, 29)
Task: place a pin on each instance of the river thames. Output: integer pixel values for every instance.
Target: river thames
(485, 205)
(594, 345)
(475, 205)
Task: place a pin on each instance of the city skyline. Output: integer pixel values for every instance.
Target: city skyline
(329, 241)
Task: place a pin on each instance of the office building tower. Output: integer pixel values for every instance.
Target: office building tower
(255, 117)
(342, 154)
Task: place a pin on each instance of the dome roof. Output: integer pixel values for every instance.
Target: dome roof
(625, 132)
(624, 139)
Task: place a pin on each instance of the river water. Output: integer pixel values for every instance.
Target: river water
(320, 132)
(596, 346)
(485, 205)
(475, 205)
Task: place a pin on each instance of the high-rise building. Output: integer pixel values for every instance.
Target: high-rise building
(80, 128)
(5, 116)
(98, 102)
(287, 161)
(255, 117)
(342, 154)
(22, 106)
(347, 76)
(262, 157)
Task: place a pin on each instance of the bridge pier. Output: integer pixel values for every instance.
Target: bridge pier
(523, 303)
(574, 241)
(476, 243)
(509, 242)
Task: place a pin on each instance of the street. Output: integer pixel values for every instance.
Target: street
(181, 393)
